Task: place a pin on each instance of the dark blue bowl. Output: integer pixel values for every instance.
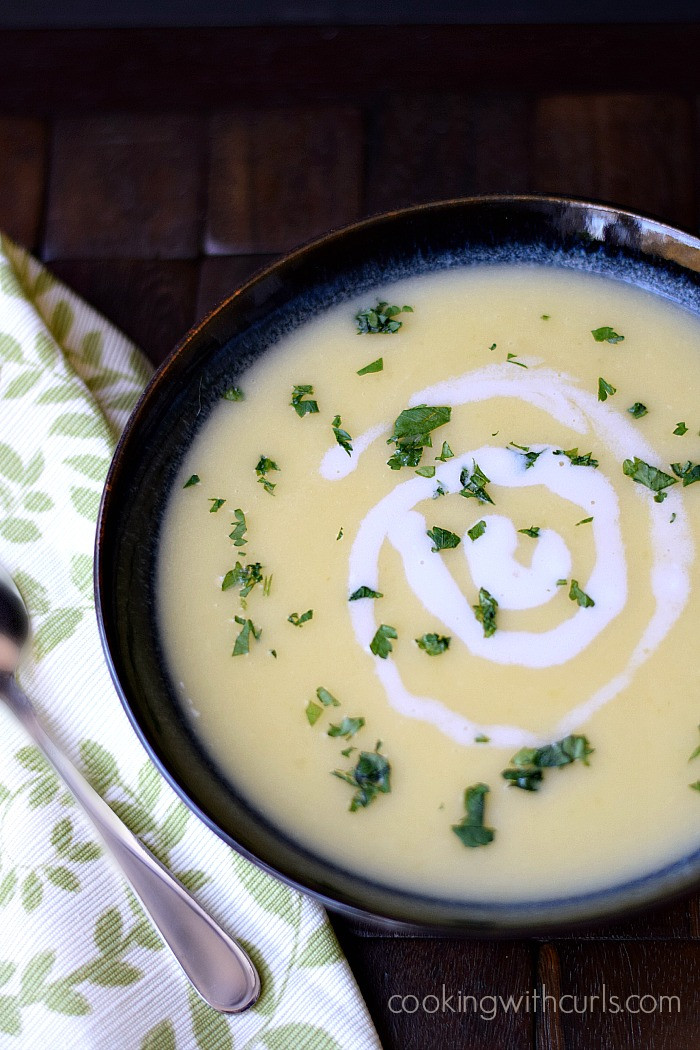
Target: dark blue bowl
(544, 230)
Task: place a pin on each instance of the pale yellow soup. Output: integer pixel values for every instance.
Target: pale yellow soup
(623, 672)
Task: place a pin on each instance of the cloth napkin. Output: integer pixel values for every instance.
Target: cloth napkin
(80, 965)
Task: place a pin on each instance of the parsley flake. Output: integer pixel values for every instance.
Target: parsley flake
(380, 644)
(370, 776)
(477, 530)
(605, 389)
(263, 467)
(584, 460)
(446, 453)
(380, 320)
(313, 712)
(606, 335)
(364, 592)
(471, 830)
(411, 433)
(688, 472)
(373, 366)
(482, 739)
(584, 521)
(347, 728)
(512, 359)
(216, 504)
(528, 763)
(528, 455)
(340, 534)
(681, 429)
(545, 317)
(303, 407)
(443, 539)
(341, 436)
(326, 698)
(651, 477)
(533, 531)
(246, 575)
(242, 643)
(577, 595)
(194, 479)
(239, 528)
(433, 644)
(473, 484)
(638, 410)
(234, 393)
(426, 472)
(485, 611)
(298, 620)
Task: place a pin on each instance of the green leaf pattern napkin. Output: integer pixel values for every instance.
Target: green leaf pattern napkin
(80, 965)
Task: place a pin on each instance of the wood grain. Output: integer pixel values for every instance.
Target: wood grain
(125, 185)
(281, 176)
(633, 150)
(221, 275)
(23, 148)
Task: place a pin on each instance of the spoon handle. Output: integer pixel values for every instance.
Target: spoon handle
(219, 969)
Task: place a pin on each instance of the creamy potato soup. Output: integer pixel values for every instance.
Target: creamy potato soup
(429, 589)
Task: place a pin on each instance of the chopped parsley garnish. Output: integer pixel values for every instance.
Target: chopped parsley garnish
(606, 335)
(340, 534)
(638, 410)
(577, 595)
(562, 583)
(347, 751)
(273, 652)
(584, 460)
(239, 528)
(374, 366)
(380, 320)
(493, 346)
(528, 455)
(242, 643)
(364, 592)
(584, 521)
(370, 776)
(477, 530)
(267, 585)
(446, 453)
(651, 477)
(533, 531)
(341, 436)
(303, 407)
(681, 429)
(545, 317)
(313, 712)
(471, 830)
(695, 786)
(433, 644)
(529, 762)
(246, 575)
(688, 472)
(347, 728)
(263, 467)
(405, 456)
(473, 484)
(512, 359)
(426, 472)
(380, 644)
(439, 491)
(298, 620)
(216, 504)
(485, 611)
(443, 539)
(326, 698)
(414, 424)
(605, 389)
(482, 739)
(193, 479)
(234, 393)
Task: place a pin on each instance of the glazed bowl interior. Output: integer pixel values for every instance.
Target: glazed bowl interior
(481, 231)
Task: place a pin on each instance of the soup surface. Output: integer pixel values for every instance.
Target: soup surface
(527, 579)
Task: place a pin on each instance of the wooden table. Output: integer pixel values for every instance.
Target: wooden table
(154, 170)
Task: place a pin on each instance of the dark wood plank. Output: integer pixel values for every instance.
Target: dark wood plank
(158, 69)
(633, 150)
(125, 185)
(501, 129)
(152, 302)
(472, 972)
(23, 144)
(281, 176)
(634, 969)
(221, 275)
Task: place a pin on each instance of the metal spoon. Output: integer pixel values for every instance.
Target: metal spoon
(219, 969)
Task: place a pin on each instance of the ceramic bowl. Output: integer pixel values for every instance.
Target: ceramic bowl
(544, 230)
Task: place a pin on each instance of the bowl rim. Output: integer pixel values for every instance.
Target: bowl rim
(578, 911)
